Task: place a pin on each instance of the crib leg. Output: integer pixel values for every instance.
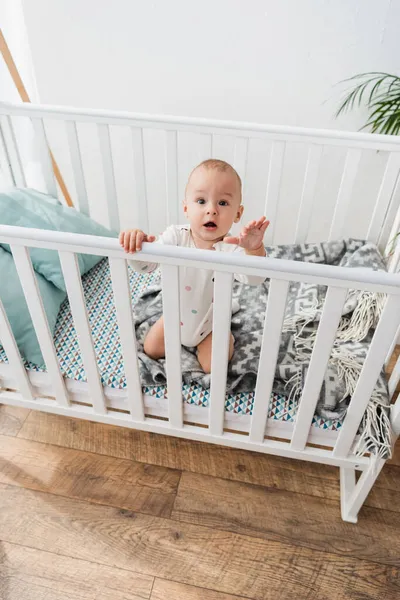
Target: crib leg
(352, 494)
(347, 487)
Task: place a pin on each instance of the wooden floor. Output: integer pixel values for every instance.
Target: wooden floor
(95, 512)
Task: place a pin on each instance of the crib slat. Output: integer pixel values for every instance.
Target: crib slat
(326, 334)
(384, 196)
(172, 334)
(240, 158)
(77, 166)
(140, 178)
(5, 159)
(389, 239)
(122, 297)
(171, 173)
(212, 145)
(353, 158)
(273, 187)
(387, 326)
(269, 353)
(72, 278)
(35, 305)
(46, 163)
(109, 177)
(13, 151)
(14, 358)
(220, 350)
(307, 196)
(385, 236)
(395, 259)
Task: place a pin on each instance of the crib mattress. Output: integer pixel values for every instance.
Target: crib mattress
(103, 322)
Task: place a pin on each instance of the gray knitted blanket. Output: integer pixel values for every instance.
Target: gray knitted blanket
(304, 307)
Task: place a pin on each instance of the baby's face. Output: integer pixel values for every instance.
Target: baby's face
(212, 204)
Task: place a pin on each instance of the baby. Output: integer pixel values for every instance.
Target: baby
(212, 203)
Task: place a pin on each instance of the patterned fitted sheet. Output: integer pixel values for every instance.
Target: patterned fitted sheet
(103, 322)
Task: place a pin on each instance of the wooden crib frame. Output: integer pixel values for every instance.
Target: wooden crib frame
(51, 392)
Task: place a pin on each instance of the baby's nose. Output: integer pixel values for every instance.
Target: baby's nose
(212, 210)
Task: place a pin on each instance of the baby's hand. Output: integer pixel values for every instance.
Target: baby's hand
(252, 235)
(132, 239)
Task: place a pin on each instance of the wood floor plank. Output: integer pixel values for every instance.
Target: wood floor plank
(396, 455)
(383, 499)
(385, 493)
(285, 517)
(105, 480)
(29, 574)
(186, 455)
(169, 590)
(194, 555)
(11, 419)
(301, 477)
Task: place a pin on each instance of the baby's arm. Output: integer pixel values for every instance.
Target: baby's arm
(251, 238)
(131, 241)
(251, 241)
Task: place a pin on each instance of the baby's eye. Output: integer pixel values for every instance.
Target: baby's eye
(223, 203)
(200, 201)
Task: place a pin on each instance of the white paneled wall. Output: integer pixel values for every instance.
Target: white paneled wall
(264, 61)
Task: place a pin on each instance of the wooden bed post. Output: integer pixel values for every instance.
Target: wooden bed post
(12, 68)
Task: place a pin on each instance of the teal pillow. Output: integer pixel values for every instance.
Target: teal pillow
(29, 208)
(17, 311)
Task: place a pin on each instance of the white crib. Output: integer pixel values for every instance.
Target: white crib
(378, 221)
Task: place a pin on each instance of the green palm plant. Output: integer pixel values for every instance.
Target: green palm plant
(380, 92)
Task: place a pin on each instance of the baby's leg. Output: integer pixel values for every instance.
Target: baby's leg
(204, 352)
(154, 344)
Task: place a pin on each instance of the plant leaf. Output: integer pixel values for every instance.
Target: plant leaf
(383, 99)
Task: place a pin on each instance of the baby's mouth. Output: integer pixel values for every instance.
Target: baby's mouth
(210, 225)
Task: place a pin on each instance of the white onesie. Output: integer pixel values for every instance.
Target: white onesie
(196, 285)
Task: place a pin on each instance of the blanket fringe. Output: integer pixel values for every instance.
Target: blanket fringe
(303, 317)
(297, 325)
(296, 387)
(347, 367)
(376, 434)
(364, 317)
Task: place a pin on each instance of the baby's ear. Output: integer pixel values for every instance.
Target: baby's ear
(184, 207)
(239, 214)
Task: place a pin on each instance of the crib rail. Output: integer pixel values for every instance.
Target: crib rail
(280, 272)
(64, 113)
(379, 228)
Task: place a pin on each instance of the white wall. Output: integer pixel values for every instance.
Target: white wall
(15, 33)
(267, 61)
(261, 60)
